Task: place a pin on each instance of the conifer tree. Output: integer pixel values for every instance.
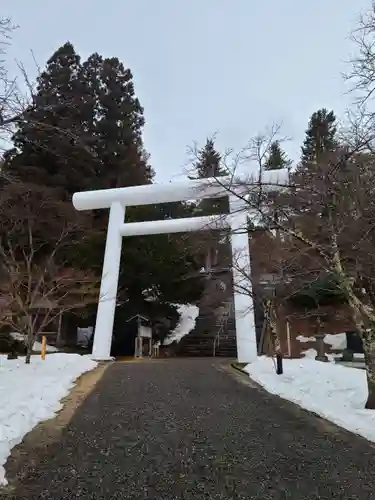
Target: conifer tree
(208, 162)
(320, 136)
(84, 132)
(207, 165)
(84, 129)
(277, 158)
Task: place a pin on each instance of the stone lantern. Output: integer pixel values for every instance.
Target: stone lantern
(319, 336)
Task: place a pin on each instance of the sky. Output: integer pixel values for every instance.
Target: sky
(202, 67)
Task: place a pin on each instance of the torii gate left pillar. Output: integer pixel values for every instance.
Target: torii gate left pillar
(105, 316)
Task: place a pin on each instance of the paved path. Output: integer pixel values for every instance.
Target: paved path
(184, 429)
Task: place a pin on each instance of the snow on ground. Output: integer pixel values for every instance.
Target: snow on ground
(336, 341)
(188, 315)
(37, 347)
(337, 393)
(31, 393)
(303, 339)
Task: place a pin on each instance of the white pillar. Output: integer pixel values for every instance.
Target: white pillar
(243, 300)
(101, 350)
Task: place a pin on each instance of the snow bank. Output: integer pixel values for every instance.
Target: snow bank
(337, 393)
(37, 345)
(303, 339)
(337, 341)
(188, 315)
(31, 393)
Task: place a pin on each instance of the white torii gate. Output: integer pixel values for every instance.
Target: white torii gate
(119, 198)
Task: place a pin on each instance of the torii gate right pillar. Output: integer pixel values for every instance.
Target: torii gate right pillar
(242, 284)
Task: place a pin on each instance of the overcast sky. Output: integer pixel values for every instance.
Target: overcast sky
(205, 66)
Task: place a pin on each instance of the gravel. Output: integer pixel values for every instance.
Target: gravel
(188, 429)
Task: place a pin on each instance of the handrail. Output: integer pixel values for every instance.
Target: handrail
(217, 338)
(223, 320)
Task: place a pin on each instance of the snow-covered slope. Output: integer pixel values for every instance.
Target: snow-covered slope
(31, 393)
(188, 315)
(337, 393)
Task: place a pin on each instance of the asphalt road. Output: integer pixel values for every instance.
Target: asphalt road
(188, 429)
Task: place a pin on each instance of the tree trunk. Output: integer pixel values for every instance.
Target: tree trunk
(28, 356)
(368, 339)
(29, 345)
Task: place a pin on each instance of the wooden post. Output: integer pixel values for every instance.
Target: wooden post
(58, 337)
(288, 339)
(44, 347)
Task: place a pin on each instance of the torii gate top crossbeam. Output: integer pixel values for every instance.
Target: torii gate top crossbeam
(150, 194)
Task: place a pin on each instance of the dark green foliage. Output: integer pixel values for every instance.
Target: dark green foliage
(83, 132)
(323, 291)
(320, 136)
(10, 345)
(277, 158)
(208, 164)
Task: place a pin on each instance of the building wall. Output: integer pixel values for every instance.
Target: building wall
(338, 321)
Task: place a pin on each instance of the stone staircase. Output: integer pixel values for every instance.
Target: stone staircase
(225, 341)
(210, 337)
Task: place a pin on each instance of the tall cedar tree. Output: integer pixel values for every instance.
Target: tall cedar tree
(277, 158)
(84, 131)
(320, 136)
(209, 164)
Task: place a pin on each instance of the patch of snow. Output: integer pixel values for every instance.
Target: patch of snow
(336, 341)
(337, 393)
(37, 345)
(312, 353)
(150, 294)
(188, 315)
(31, 393)
(301, 338)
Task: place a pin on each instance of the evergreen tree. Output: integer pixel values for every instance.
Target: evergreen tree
(50, 147)
(277, 158)
(84, 131)
(208, 163)
(320, 136)
(117, 125)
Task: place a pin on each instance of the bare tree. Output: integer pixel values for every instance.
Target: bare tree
(9, 94)
(35, 295)
(325, 220)
(38, 281)
(361, 73)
